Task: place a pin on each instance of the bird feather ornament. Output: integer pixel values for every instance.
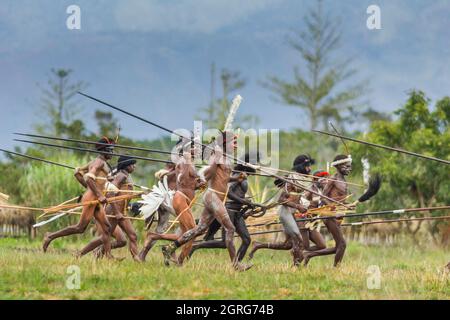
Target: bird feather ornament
(232, 114)
(160, 195)
(366, 170)
(373, 187)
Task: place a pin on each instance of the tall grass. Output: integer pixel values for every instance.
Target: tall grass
(45, 185)
(406, 273)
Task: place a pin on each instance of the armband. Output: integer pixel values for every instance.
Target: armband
(110, 187)
(89, 175)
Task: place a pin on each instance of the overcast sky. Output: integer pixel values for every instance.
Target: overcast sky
(154, 57)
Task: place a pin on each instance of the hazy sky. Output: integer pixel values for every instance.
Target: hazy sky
(154, 57)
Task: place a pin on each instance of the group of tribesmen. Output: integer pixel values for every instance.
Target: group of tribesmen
(223, 185)
(305, 198)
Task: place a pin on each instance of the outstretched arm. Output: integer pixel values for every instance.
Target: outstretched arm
(291, 201)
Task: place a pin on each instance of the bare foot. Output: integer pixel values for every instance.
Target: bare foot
(98, 253)
(141, 256)
(298, 262)
(46, 243)
(241, 267)
(168, 254)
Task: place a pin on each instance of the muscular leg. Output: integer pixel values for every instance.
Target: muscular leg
(335, 229)
(311, 235)
(221, 214)
(127, 227)
(242, 231)
(163, 224)
(86, 216)
(187, 222)
(212, 230)
(98, 241)
(209, 242)
(317, 239)
(205, 220)
(100, 216)
(292, 231)
(286, 245)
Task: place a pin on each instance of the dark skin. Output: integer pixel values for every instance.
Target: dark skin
(336, 190)
(187, 181)
(117, 209)
(313, 235)
(290, 199)
(236, 194)
(99, 169)
(307, 235)
(217, 175)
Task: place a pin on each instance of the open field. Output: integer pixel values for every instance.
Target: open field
(406, 273)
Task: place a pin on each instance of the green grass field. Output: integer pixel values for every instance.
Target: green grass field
(406, 273)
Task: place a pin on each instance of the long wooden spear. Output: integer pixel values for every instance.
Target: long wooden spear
(120, 146)
(353, 224)
(375, 213)
(383, 147)
(91, 151)
(87, 203)
(56, 164)
(38, 159)
(58, 208)
(228, 156)
(157, 151)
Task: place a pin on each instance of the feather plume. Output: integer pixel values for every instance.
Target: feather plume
(232, 114)
(366, 172)
(372, 189)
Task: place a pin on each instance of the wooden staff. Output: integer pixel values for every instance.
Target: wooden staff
(312, 176)
(3, 196)
(65, 202)
(8, 206)
(209, 147)
(418, 155)
(88, 203)
(398, 211)
(362, 223)
(120, 146)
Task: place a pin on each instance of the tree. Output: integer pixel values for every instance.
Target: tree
(107, 124)
(322, 88)
(59, 105)
(371, 115)
(410, 181)
(216, 113)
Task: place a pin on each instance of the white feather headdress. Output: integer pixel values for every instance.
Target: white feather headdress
(232, 114)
